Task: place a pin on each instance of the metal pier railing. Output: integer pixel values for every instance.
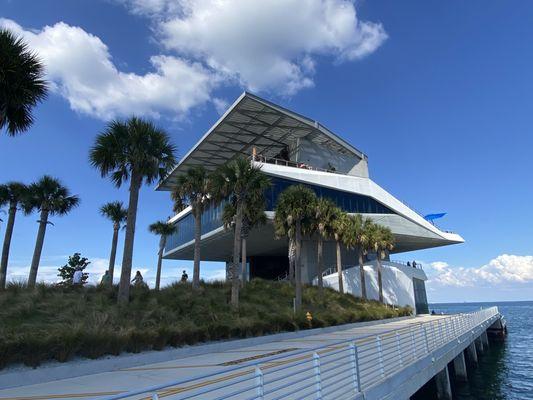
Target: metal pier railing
(334, 371)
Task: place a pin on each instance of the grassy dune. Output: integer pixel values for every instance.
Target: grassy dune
(54, 323)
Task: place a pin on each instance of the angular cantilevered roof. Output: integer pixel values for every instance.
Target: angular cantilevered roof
(254, 122)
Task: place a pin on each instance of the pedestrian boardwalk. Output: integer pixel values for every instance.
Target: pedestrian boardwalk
(335, 365)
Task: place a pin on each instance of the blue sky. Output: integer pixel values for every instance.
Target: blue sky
(436, 93)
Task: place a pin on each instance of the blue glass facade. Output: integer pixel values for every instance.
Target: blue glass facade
(349, 202)
(212, 216)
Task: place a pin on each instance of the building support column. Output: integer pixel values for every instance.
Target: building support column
(471, 354)
(459, 365)
(485, 339)
(479, 345)
(444, 389)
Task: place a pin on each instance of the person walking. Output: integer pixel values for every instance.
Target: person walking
(77, 277)
(138, 279)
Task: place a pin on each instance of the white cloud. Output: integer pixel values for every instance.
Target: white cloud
(501, 272)
(81, 69)
(170, 272)
(268, 46)
(263, 45)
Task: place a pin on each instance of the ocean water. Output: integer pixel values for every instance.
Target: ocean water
(506, 370)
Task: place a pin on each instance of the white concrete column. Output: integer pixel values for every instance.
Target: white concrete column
(471, 353)
(459, 365)
(444, 389)
(485, 339)
(479, 345)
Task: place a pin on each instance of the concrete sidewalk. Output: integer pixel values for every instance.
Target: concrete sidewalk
(98, 385)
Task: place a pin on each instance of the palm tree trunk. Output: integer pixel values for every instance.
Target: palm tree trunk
(113, 255)
(291, 260)
(362, 275)
(43, 222)
(380, 280)
(7, 243)
(320, 262)
(298, 267)
(197, 240)
(162, 243)
(339, 267)
(127, 257)
(235, 282)
(244, 276)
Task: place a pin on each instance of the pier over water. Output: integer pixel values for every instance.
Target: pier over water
(379, 361)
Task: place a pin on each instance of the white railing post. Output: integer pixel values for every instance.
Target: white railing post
(426, 338)
(380, 354)
(413, 343)
(318, 383)
(356, 376)
(259, 383)
(398, 347)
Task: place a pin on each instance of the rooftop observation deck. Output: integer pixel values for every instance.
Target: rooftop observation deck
(375, 360)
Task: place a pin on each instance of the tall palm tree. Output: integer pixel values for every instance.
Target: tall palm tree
(11, 194)
(116, 213)
(49, 197)
(242, 183)
(21, 83)
(325, 214)
(193, 188)
(163, 229)
(362, 230)
(254, 215)
(293, 215)
(137, 150)
(381, 240)
(341, 232)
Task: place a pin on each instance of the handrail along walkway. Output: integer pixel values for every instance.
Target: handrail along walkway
(333, 371)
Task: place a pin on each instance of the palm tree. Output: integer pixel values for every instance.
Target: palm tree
(242, 183)
(362, 229)
(381, 240)
(293, 214)
(49, 197)
(21, 83)
(193, 188)
(325, 214)
(137, 150)
(341, 226)
(116, 213)
(164, 230)
(11, 194)
(254, 215)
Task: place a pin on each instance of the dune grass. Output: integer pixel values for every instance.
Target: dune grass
(58, 323)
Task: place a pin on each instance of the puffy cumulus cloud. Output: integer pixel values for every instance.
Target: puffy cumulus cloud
(80, 68)
(503, 271)
(263, 45)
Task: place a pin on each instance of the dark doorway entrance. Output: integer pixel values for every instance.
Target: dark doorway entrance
(269, 267)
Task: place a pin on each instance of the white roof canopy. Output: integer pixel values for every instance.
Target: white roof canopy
(253, 122)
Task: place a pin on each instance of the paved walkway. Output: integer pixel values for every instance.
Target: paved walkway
(108, 383)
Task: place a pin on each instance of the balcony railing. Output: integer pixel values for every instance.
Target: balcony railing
(294, 164)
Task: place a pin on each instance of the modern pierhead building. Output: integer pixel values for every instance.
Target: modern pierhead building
(292, 149)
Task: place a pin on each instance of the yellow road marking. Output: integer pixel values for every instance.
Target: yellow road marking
(62, 396)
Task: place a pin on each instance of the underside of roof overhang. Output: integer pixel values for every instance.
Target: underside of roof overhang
(252, 122)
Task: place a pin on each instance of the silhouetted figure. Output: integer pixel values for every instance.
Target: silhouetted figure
(138, 280)
(184, 277)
